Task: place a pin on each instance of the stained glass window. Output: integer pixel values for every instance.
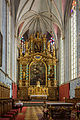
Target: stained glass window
(62, 60)
(73, 41)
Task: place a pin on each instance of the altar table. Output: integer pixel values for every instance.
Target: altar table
(38, 96)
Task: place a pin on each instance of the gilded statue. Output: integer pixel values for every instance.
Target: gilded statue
(38, 83)
(23, 74)
(37, 43)
(20, 52)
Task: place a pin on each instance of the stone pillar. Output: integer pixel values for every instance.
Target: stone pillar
(8, 38)
(10, 42)
(6, 42)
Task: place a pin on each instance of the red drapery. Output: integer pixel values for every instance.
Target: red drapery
(14, 91)
(64, 92)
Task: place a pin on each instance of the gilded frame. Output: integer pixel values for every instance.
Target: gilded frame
(45, 68)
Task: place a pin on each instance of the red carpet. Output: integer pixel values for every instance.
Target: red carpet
(21, 114)
(20, 117)
(24, 109)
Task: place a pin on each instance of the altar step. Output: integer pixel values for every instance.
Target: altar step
(34, 100)
(34, 103)
(29, 104)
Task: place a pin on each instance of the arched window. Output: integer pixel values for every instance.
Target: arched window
(62, 60)
(73, 41)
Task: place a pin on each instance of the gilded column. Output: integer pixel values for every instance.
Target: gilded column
(49, 82)
(26, 48)
(27, 74)
(31, 43)
(20, 81)
(53, 50)
(48, 51)
(55, 82)
(48, 71)
(44, 42)
(20, 52)
(48, 47)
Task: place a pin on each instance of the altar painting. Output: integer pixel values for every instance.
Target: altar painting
(37, 73)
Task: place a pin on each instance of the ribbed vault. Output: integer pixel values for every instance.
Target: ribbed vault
(39, 15)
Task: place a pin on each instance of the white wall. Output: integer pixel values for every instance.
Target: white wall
(7, 27)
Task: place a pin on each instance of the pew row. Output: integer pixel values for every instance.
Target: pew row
(60, 111)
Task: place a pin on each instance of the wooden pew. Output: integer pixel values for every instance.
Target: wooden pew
(5, 105)
(73, 100)
(4, 91)
(60, 111)
(5, 101)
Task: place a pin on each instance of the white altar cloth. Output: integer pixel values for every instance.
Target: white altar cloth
(38, 96)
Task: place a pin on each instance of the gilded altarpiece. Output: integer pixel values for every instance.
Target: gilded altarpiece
(35, 69)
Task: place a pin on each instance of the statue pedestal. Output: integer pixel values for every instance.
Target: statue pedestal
(53, 93)
(77, 92)
(23, 93)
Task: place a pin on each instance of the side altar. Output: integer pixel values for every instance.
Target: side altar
(37, 69)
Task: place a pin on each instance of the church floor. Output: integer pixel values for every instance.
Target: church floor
(30, 113)
(35, 113)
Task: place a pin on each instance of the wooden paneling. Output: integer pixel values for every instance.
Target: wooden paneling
(23, 93)
(77, 92)
(5, 105)
(5, 100)
(60, 111)
(4, 91)
(53, 93)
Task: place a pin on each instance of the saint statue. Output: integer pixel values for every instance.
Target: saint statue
(23, 74)
(38, 83)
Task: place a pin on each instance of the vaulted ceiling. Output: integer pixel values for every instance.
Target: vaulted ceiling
(40, 15)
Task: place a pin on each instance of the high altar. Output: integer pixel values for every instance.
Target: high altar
(37, 69)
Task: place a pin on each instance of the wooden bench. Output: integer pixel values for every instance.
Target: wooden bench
(60, 111)
(5, 105)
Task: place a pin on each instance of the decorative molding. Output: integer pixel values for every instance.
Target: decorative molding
(6, 75)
